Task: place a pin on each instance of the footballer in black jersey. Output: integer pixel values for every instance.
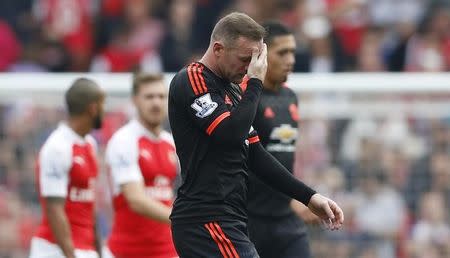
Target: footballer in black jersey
(211, 120)
(274, 228)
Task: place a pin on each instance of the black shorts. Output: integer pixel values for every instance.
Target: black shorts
(279, 238)
(213, 239)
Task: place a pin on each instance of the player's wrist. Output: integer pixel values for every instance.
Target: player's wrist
(308, 195)
(255, 82)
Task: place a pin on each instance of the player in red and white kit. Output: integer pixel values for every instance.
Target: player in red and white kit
(66, 173)
(143, 165)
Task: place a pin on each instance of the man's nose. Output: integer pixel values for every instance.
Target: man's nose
(290, 59)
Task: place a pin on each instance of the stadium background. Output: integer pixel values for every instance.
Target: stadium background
(378, 142)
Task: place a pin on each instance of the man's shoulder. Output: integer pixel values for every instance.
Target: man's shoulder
(167, 137)
(56, 145)
(122, 138)
(194, 79)
(57, 142)
(285, 89)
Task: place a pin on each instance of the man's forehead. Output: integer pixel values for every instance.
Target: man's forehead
(285, 41)
(245, 46)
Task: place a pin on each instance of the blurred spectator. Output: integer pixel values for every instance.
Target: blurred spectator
(371, 218)
(349, 20)
(17, 224)
(17, 14)
(369, 58)
(134, 44)
(176, 47)
(397, 166)
(432, 225)
(146, 31)
(117, 56)
(388, 13)
(312, 153)
(70, 22)
(30, 60)
(9, 46)
(429, 49)
(432, 230)
(207, 13)
(359, 127)
(431, 172)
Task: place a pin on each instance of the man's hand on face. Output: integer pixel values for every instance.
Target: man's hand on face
(258, 65)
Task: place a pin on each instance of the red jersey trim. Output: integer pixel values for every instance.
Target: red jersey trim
(226, 247)
(195, 74)
(216, 122)
(253, 139)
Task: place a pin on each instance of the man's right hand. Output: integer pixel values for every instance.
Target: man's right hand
(326, 209)
(305, 213)
(258, 65)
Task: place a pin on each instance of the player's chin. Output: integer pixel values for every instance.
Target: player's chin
(238, 80)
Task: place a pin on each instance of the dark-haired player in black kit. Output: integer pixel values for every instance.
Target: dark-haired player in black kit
(211, 120)
(274, 228)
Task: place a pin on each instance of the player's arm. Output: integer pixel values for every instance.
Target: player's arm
(234, 128)
(97, 237)
(53, 177)
(304, 212)
(122, 158)
(59, 225)
(139, 202)
(208, 110)
(98, 240)
(271, 172)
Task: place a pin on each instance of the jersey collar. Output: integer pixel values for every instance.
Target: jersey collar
(144, 131)
(70, 133)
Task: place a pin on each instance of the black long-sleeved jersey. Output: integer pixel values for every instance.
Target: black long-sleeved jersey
(211, 121)
(276, 122)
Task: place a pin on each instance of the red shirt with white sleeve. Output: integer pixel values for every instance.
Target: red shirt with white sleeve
(67, 168)
(135, 154)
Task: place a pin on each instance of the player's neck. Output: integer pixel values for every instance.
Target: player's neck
(209, 62)
(272, 86)
(154, 129)
(79, 125)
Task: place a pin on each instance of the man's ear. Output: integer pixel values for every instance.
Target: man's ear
(218, 48)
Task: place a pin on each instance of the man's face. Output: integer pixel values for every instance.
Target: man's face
(280, 58)
(234, 60)
(151, 102)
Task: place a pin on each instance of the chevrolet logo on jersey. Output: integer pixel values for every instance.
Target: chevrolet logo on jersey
(285, 133)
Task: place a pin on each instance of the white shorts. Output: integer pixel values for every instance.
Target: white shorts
(41, 248)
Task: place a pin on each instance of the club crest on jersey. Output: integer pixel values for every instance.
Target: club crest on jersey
(204, 106)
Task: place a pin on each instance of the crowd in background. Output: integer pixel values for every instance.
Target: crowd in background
(391, 175)
(160, 35)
